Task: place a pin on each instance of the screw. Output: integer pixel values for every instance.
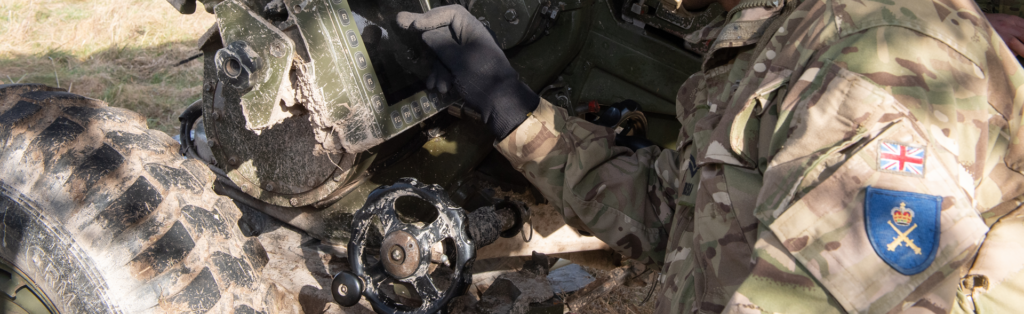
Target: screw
(510, 15)
(270, 186)
(294, 201)
(397, 254)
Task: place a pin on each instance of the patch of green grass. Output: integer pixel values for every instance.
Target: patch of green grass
(121, 52)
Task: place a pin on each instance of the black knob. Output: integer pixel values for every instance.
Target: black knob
(347, 288)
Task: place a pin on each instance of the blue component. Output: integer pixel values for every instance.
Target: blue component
(903, 228)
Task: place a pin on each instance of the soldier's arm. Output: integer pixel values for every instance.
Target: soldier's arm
(623, 197)
(884, 85)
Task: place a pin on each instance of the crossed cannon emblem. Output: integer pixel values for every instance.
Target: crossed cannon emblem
(903, 216)
(902, 238)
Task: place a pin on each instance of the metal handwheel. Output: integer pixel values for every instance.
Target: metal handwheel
(406, 252)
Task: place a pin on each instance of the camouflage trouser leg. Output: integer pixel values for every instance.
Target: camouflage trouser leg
(676, 280)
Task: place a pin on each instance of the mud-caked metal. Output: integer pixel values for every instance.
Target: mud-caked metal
(404, 254)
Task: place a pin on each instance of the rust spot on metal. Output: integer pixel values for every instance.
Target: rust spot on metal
(400, 254)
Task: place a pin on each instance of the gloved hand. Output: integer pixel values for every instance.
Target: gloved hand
(482, 75)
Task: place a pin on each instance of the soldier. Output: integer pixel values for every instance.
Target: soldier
(835, 156)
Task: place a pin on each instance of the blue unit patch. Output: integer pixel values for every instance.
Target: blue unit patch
(903, 228)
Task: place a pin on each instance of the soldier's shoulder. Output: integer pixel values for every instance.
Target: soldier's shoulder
(957, 24)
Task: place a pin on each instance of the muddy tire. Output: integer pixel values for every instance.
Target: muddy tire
(102, 215)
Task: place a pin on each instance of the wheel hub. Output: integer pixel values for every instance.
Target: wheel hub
(402, 255)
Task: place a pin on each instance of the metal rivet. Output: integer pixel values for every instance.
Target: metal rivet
(294, 201)
(233, 161)
(208, 86)
(510, 15)
(212, 142)
(270, 186)
(277, 49)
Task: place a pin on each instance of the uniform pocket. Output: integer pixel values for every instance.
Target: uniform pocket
(815, 197)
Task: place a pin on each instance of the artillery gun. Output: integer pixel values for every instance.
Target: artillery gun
(312, 113)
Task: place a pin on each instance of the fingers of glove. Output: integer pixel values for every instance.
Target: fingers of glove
(444, 79)
(436, 18)
(445, 48)
(431, 79)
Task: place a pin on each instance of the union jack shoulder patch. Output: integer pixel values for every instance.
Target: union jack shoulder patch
(901, 159)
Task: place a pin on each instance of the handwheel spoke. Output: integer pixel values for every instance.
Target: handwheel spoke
(390, 221)
(425, 287)
(427, 238)
(435, 231)
(376, 272)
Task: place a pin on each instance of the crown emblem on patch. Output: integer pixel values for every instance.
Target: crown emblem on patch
(902, 216)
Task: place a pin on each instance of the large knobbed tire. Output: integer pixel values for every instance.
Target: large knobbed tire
(101, 215)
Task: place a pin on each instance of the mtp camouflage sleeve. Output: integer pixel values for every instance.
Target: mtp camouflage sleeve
(623, 197)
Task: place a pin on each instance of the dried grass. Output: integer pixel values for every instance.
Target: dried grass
(123, 52)
(622, 300)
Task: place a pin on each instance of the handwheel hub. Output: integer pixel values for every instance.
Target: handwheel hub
(401, 254)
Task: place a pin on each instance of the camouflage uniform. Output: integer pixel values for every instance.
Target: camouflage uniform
(761, 206)
(1011, 7)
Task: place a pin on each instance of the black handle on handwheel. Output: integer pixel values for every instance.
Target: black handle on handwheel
(347, 288)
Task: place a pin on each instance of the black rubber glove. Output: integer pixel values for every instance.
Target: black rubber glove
(482, 75)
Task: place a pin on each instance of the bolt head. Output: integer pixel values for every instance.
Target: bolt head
(510, 15)
(270, 186)
(294, 201)
(397, 254)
